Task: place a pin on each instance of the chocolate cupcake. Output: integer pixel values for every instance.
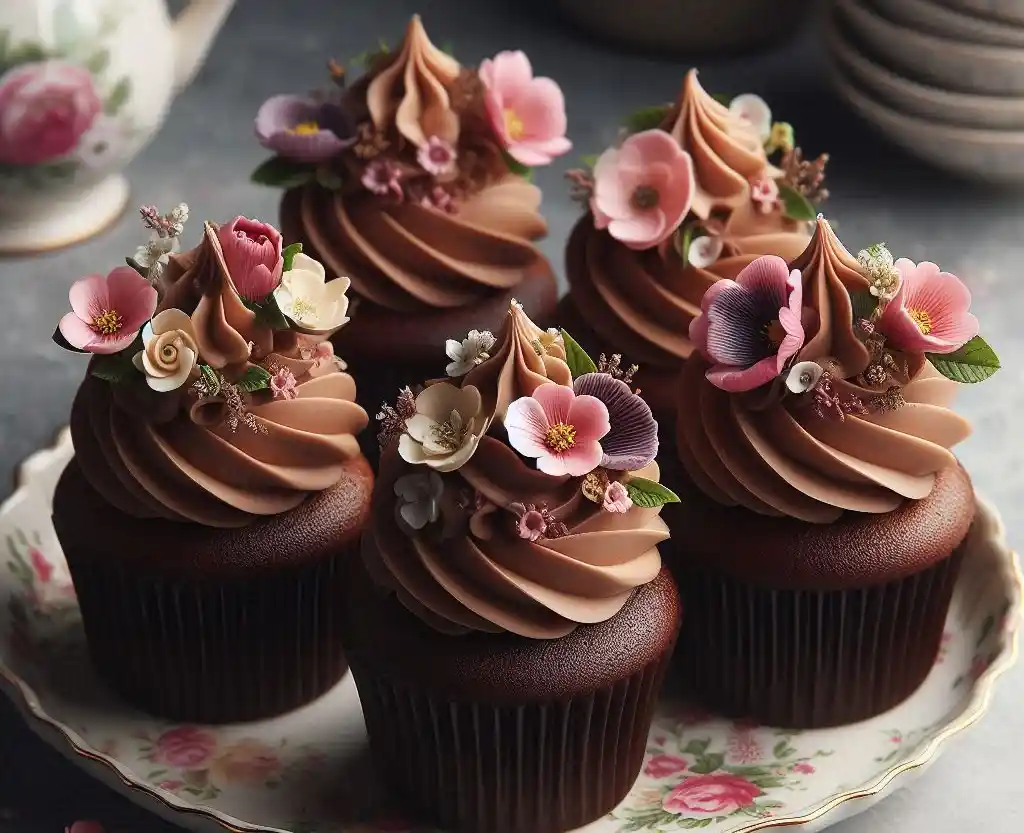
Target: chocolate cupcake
(823, 516)
(690, 196)
(511, 620)
(215, 446)
(413, 181)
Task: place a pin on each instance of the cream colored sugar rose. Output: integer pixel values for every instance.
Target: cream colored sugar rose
(169, 352)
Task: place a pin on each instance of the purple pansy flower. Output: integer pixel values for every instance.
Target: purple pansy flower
(303, 129)
(751, 327)
(632, 441)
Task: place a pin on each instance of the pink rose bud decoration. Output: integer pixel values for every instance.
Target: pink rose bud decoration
(930, 311)
(108, 312)
(252, 252)
(527, 113)
(643, 189)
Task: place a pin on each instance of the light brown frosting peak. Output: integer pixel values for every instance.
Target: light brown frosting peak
(406, 257)
(726, 151)
(647, 299)
(178, 455)
(775, 456)
(526, 358)
(411, 90)
(480, 575)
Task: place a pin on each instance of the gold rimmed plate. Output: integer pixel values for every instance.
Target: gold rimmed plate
(307, 772)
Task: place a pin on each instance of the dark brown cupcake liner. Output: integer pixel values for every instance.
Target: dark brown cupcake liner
(534, 768)
(809, 659)
(234, 650)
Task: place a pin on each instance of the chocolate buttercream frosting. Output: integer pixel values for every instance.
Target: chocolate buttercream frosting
(648, 298)
(474, 570)
(775, 455)
(433, 243)
(205, 455)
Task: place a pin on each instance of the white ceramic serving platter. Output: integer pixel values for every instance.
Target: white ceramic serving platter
(308, 772)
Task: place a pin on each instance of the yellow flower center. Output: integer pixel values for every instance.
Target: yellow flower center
(301, 308)
(107, 322)
(922, 319)
(514, 126)
(306, 128)
(560, 437)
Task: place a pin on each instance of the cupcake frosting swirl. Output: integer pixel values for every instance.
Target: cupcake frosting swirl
(774, 455)
(646, 299)
(407, 257)
(177, 456)
(473, 570)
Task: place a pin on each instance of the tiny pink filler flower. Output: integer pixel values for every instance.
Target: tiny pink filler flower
(643, 189)
(527, 113)
(108, 312)
(930, 311)
(561, 430)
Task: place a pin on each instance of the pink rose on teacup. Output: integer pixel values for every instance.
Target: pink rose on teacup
(711, 795)
(662, 766)
(45, 107)
(187, 747)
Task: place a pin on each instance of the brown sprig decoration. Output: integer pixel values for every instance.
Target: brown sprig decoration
(613, 367)
(832, 404)
(805, 176)
(581, 185)
(391, 418)
(370, 142)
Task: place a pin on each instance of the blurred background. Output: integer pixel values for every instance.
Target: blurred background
(919, 102)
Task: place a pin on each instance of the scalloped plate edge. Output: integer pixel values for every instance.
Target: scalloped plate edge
(170, 807)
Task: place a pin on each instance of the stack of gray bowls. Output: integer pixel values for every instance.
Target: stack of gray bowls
(943, 79)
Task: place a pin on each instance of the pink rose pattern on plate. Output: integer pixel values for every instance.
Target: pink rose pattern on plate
(58, 114)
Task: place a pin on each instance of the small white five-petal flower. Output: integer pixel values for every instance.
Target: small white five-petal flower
(419, 498)
(468, 353)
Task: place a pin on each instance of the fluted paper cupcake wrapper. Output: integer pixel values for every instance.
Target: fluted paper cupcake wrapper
(214, 652)
(806, 659)
(536, 768)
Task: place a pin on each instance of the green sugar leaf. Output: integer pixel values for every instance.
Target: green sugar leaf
(648, 494)
(279, 172)
(576, 357)
(647, 118)
(255, 378)
(974, 362)
(289, 255)
(795, 205)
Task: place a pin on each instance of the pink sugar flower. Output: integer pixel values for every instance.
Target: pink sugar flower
(253, 255)
(560, 429)
(764, 191)
(382, 177)
(532, 525)
(643, 189)
(527, 113)
(930, 311)
(108, 312)
(437, 157)
(752, 326)
(85, 826)
(283, 384)
(616, 498)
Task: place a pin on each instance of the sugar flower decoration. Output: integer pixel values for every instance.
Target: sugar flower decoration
(169, 352)
(803, 377)
(751, 327)
(302, 129)
(532, 525)
(526, 113)
(419, 498)
(468, 353)
(753, 110)
(764, 191)
(446, 428)
(437, 156)
(283, 384)
(781, 138)
(616, 498)
(632, 439)
(704, 251)
(643, 189)
(878, 263)
(929, 312)
(561, 430)
(383, 178)
(253, 255)
(313, 304)
(107, 312)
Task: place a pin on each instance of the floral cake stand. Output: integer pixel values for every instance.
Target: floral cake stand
(308, 772)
